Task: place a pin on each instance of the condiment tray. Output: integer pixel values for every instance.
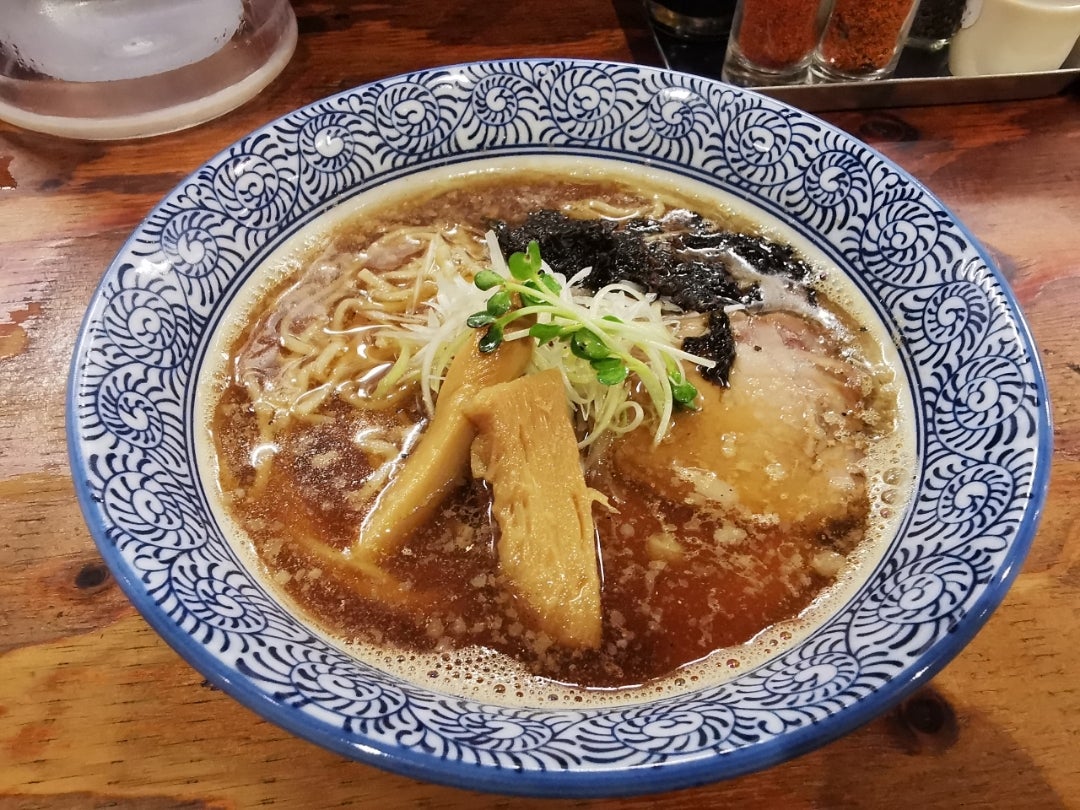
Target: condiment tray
(920, 79)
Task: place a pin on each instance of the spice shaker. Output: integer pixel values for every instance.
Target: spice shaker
(862, 39)
(772, 41)
(936, 23)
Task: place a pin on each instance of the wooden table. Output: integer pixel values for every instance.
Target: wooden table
(96, 711)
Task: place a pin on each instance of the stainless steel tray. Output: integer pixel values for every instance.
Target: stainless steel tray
(920, 79)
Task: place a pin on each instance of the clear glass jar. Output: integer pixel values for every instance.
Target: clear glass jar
(862, 39)
(110, 69)
(772, 41)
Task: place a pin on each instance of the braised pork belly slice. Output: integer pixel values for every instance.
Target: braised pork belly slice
(782, 444)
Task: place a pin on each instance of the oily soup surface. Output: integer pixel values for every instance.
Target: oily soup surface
(700, 577)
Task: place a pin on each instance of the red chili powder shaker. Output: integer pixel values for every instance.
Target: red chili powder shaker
(772, 41)
(862, 39)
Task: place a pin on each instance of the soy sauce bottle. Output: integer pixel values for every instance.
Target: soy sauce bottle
(693, 19)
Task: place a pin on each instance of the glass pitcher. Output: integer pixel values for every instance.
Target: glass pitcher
(107, 69)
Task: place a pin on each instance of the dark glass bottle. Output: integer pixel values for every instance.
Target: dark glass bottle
(693, 19)
(936, 23)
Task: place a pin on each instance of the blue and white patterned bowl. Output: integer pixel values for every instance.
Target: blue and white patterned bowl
(983, 436)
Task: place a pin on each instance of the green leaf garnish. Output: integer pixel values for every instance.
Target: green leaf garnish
(683, 392)
(479, 319)
(486, 279)
(491, 340)
(525, 265)
(544, 332)
(610, 370)
(528, 299)
(533, 253)
(499, 303)
(588, 346)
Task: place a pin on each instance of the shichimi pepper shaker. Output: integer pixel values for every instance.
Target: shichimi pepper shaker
(772, 41)
(862, 39)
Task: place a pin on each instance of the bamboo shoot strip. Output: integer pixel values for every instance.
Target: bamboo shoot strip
(441, 457)
(527, 450)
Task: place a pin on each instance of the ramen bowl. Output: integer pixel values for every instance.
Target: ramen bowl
(981, 426)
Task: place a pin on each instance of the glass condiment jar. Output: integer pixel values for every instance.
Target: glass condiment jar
(936, 23)
(863, 39)
(772, 41)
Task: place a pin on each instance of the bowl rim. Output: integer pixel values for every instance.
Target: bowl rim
(588, 782)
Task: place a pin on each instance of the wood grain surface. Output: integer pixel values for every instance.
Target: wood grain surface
(96, 711)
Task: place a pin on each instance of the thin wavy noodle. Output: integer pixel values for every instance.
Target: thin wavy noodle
(323, 338)
(593, 208)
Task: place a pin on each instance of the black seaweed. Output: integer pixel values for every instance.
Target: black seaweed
(568, 245)
(681, 259)
(718, 344)
(764, 255)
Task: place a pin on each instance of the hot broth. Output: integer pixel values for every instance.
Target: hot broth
(743, 515)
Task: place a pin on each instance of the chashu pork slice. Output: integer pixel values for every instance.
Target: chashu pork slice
(782, 444)
(526, 449)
